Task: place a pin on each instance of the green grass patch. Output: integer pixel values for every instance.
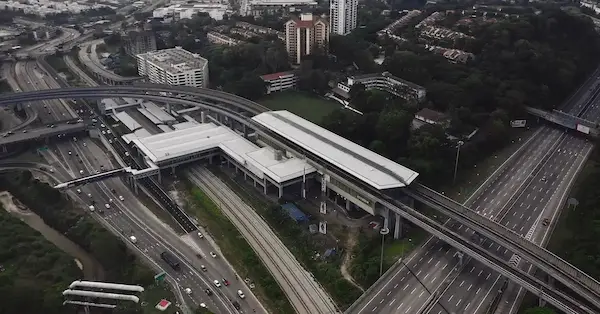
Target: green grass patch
(237, 251)
(396, 249)
(307, 106)
(153, 294)
(300, 242)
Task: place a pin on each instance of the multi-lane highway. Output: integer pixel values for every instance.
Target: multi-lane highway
(306, 295)
(522, 195)
(154, 237)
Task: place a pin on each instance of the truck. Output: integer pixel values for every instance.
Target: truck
(170, 259)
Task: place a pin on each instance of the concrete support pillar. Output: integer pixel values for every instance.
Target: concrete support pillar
(398, 227)
(386, 218)
(254, 182)
(169, 108)
(203, 117)
(135, 187)
(236, 169)
(159, 177)
(173, 170)
(265, 186)
(280, 191)
(245, 129)
(245, 176)
(347, 204)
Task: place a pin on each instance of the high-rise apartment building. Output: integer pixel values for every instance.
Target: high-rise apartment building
(304, 34)
(175, 66)
(342, 16)
(137, 42)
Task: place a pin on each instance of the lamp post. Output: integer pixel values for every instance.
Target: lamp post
(383, 232)
(459, 144)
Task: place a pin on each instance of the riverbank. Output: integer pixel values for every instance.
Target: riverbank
(92, 270)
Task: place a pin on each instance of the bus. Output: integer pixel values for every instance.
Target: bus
(170, 259)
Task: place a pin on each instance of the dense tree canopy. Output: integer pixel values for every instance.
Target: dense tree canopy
(536, 60)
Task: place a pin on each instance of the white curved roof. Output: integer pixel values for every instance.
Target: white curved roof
(359, 162)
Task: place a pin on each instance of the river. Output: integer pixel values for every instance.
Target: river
(92, 270)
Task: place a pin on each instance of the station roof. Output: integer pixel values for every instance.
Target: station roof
(164, 147)
(127, 120)
(359, 162)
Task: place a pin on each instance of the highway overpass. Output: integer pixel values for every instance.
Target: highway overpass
(228, 105)
(566, 120)
(41, 133)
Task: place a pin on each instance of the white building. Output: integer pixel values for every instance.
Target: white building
(175, 66)
(188, 11)
(280, 81)
(342, 16)
(260, 7)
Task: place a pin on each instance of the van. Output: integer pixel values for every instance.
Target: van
(92, 208)
(133, 239)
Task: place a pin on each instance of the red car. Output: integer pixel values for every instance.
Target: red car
(225, 282)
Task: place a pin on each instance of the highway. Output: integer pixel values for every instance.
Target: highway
(305, 294)
(518, 197)
(154, 237)
(90, 59)
(49, 47)
(523, 247)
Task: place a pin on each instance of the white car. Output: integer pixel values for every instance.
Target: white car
(203, 267)
(84, 144)
(188, 291)
(121, 197)
(107, 205)
(89, 194)
(213, 254)
(110, 200)
(200, 235)
(102, 125)
(70, 153)
(133, 239)
(78, 191)
(80, 171)
(92, 208)
(241, 294)
(217, 283)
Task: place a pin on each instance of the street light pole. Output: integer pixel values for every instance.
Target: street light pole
(383, 232)
(459, 144)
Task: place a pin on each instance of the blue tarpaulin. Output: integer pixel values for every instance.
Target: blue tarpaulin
(294, 212)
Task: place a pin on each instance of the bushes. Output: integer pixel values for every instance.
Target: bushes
(238, 251)
(33, 272)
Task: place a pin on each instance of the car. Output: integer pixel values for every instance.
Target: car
(109, 141)
(80, 171)
(89, 194)
(121, 197)
(203, 267)
(202, 305)
(241, 294)
(208, 291)
(113, 190)
(545, 222)
(84, 144)
(92, 208)
(188, 291)
(217, 283)
(200, 235)
(110, 200)
(70, 153)
(78, 191)
(213, 254)
(103, 132)
(107, 205)
(225, 282)
(108, 131)
(102, 125)
(543, 179)
(24, 131)
(133, 239)
(236, 305)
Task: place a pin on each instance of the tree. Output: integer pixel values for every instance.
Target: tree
(539, 310)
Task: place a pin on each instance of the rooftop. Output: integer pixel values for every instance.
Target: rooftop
(174, 60)
(274, 76)
(363, 164)
(163, 147)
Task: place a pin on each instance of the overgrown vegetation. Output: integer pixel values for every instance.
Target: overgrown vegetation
(33, 272)
(299, 241)
(57, 212)
(237, 250)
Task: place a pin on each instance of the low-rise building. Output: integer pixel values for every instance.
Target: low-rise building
(260, 29)
(188, 10)
(383, 81)
(220, 39)
(262, 7)
(431, 116)
(280, 81)
(175, 66)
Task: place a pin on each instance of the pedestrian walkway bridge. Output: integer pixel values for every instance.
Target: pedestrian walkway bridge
(566, 120)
